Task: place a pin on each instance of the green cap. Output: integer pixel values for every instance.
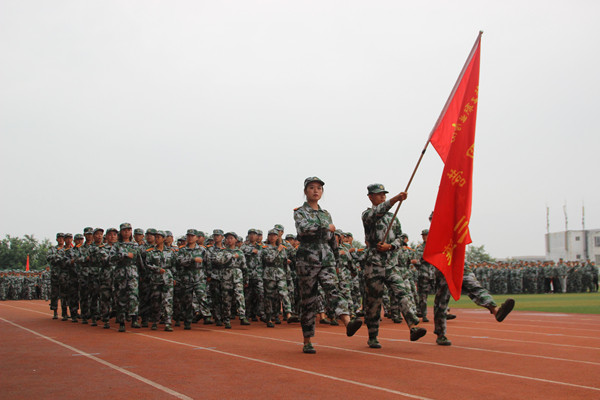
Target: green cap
(169, 233)
(111, 230)
(98, 229)
(258, 232)
(68, 235)
(125, 225)
(217, 232)
(376, 188)
(231, 234)
(138, 231)
(150, 231)
(201, 234)
(79, 236)
(279, 227)
(60, 234)
(289, 236)
(251, 230)
(311, 179)
(161, 233)
(273, 232)
(88, 229)
(425, 232)
(192, 232)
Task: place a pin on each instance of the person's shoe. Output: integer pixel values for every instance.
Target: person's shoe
(154, 326)
(270, 325)
(397, 320)
(74, 320)
(417, 333)
(168, 328)
(244, 321)
(277, 321)
(122, 327)
(308, 348)
(353, 326)
(144, 324)
(505, 309)
(443, 341)
(65, 318)
(254, 319)
(106, 325)
(334, 323)
(135, 324)
(94, 323)
(425, 319)
(360, 313)
(177, 323)
(374, 343)
(84, 322)
(450, 316)
(292, 319)
(187, 326)
(208, 321)
(264, 319)
(325, 321)
(227, 325)
(55, 315)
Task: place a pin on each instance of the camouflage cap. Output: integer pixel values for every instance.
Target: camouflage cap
(279, 227)
(425, 232)
(138, 231)
(88, 229)
(273, 232)
(150, 231)
(311, 179)
(60, 234)
(98, 229)
(217, 232)
(404, 235)
(259, 232)
(339, 232)
(169, 233)
(181, 239)
(192, 232)
(111, 230)
(349, 234)
(68, 235)
(79, 236)
(161, 233)
(200, 234)
(289, 236)
(231, 234)
(251, 230)
(125, 225)
(376, 188)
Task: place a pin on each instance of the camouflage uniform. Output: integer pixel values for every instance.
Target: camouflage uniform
(231, 266)
(425, 281)
(381, 268)
(255, 295)
(54, 259)
(275, 281)
(161, 293)
(192, 281)
(315, 262)
(126, 280)
(99, 257)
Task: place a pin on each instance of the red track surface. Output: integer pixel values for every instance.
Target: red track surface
(528, 356)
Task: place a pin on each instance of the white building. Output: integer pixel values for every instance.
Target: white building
(574, 245)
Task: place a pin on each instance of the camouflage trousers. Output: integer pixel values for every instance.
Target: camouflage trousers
(161, 296)
(84, 294)
(91, 297)
(73, 290)
(192, 284)
(63, 290)
(54, 291)
(345, 279)
(470, 286)
(376, 277)
(105, 292)
(424, 287)
(255, 297)
(232, 292)
(126, 285)
(276, 294)
(356, 293)
(145, 290)
(309, 278)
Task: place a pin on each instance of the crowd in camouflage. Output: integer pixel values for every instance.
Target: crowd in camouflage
(24, 285)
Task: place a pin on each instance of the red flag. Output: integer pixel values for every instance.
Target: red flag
(453, 137)
(27, 265)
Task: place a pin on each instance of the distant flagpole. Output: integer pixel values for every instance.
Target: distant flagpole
(27, 265)
(435, 126)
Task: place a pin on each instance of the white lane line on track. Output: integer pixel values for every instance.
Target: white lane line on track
(534, 342)
(420, 361)
(304, 371)
(525, 332)
(106, 363)
(212, 349)
(566, 327)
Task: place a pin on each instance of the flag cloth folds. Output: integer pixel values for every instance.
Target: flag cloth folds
(27, 265)
(453, 137)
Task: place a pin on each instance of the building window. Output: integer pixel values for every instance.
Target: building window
(578, 256)
(597, 241)
(577, 238)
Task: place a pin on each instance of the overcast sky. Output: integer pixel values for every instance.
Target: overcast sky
(210, 114)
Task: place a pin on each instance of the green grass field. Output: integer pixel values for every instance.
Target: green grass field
(578, 303)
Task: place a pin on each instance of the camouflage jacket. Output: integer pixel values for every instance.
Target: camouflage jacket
(274, 263)
(376, 221)
(426, 270)
(317, 243)
(253, 260)
(119, 254)
(186, 258)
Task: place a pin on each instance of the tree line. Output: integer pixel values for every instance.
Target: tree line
(14, 251)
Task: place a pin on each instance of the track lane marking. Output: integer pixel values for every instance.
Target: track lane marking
(103, 362)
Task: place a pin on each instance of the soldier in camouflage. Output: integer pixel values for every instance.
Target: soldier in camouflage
(255, 299)
(381, 266)
(53, 257)
(316, 260)
(159, 264)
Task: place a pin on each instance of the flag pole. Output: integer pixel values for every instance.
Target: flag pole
(435, 126)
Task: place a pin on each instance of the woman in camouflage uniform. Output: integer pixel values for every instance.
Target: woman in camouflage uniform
(316, 260)
(274, 259)
(126, 279)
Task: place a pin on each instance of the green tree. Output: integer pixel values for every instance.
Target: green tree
(14, 251)
(477, 254)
